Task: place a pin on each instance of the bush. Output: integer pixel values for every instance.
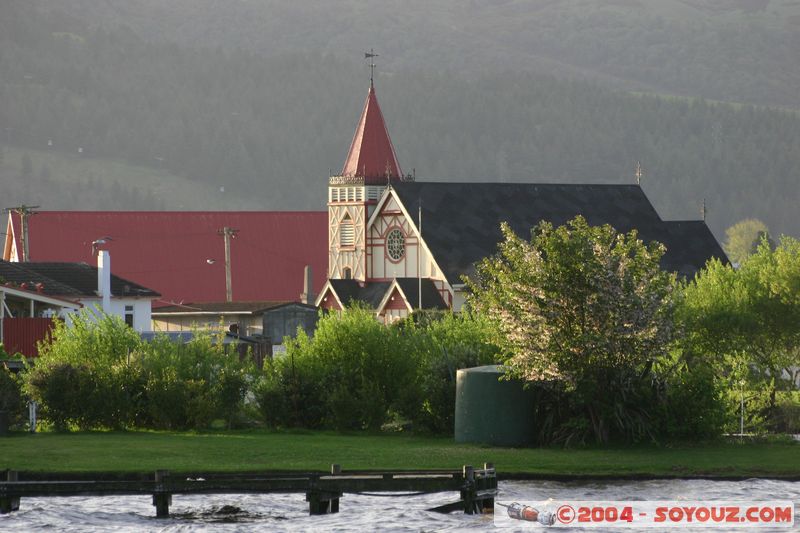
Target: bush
(97, 373)
(190, 385)
(81, 375)
(11, 398)
(787, 415)
(289, 393)
(350, 375)
(443, 344)
(357, 373)
(694, 407)
(60, 390)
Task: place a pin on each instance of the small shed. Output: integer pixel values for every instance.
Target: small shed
(283, 320)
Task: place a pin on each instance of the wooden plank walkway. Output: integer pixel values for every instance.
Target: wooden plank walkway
(477, 488)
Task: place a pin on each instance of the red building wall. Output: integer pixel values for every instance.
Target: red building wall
(22, 334)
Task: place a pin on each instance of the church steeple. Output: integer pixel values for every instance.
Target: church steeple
(372, 154)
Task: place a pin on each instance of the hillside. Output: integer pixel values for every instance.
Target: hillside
(62, 181)
(735, 50)
(270, 128)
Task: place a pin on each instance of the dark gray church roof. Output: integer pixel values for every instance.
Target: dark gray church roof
(431, 297)
(350, 290)
(461, 221)
(372, 293)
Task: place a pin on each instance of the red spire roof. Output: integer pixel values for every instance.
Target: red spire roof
(371, 154)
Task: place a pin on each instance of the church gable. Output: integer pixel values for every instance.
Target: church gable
(393, 243)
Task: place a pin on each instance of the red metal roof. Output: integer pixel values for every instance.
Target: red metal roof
(168, 251)
(371, 153)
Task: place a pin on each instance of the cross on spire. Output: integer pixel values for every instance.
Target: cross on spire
(370, 55)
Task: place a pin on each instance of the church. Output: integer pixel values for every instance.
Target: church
(396, 244)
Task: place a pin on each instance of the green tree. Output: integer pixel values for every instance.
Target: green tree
(741, 237)
(744, 320)
(587, 307)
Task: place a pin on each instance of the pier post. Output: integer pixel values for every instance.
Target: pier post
(9, 503)
(488, 482)
(161, 498)
(320, 502)
(468, 492)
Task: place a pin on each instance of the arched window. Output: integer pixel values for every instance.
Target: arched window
(347, 273)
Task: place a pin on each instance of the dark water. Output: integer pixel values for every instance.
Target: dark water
(289, 512)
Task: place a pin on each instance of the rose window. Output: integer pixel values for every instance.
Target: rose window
(396, 244)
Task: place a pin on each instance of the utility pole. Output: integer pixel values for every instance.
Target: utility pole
(228, 234)
(24, 212)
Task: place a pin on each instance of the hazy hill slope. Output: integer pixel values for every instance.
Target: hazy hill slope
(739, 50)
(270, 128)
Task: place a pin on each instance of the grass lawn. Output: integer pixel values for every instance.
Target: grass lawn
(145, 451)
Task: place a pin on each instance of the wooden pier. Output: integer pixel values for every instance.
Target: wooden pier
(477, 488)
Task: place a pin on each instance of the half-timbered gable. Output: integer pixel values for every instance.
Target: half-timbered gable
(396, 249)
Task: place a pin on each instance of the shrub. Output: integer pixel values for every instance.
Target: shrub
(189, 385)
(97, 373)
(443, 344)
(351, 375)
(290, 392)
(694, 407)
(11, 399)
(81, 375)
(787, 416)
(60, 390)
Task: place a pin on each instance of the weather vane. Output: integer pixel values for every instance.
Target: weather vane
(370, 55)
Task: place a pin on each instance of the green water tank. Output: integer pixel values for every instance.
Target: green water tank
(493, 411)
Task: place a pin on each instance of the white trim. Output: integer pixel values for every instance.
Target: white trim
(10, 236)
(325, 288)
(35, 296)
(388, 294)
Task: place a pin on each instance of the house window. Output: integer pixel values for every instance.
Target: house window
(347, 273)
(347, 232)
(395, 244)
(129, 315)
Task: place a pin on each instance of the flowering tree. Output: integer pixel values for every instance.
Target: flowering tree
(586, 307)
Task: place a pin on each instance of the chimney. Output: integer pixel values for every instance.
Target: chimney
(308, 285)
(104, 279)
